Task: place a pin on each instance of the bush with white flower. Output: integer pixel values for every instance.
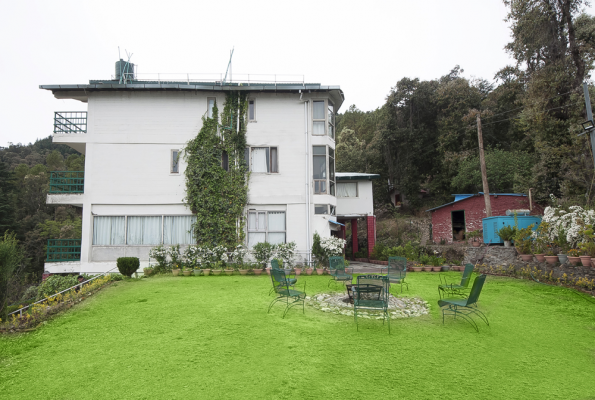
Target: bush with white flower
(571, 223)
(159, 253)
(238, 255)
(324, 248)
(285, 252)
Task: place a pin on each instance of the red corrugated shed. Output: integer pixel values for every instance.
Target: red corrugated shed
(473, 209)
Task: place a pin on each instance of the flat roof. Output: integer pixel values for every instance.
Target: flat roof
(355, 176)
(475, 195)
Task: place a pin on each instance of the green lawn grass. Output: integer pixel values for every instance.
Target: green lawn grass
(211, 338)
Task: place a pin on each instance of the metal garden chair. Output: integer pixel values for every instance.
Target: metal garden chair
(284, 291)
(371, 293)
(465, 307)
(338, 271)
(454, 289)
(396, 271)
(275, 265)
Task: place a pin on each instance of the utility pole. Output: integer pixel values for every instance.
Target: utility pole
(484, 175)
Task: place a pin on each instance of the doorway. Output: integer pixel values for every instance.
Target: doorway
(458, 225)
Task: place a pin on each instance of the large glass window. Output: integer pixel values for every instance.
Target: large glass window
(264, 159)
(331, 168)
(143, 230)
(109, 231)
(323, 118)
(266, 226)
(318, 117)
(319, 169)
(178, 230)
(347, 189)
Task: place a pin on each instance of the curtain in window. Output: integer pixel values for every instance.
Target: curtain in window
(178, 230)
(318, 110)
(347, 189)
(256, 237)
(276, 237)
(276, 220)
(260, 159)
(108, 230)
(144, 230)
(274, 167)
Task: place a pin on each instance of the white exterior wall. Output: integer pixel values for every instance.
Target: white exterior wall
(130, 135)
(363, 204)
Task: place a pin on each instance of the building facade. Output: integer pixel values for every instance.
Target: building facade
(133, 187)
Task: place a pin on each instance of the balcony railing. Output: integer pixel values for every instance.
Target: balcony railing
(67, 181)
(60, 250)
(70, 122)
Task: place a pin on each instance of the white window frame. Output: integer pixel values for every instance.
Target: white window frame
(254, 106)
(356, 189)
(330, 183)
(266, 230)
(162, 216)
(330, 209)
(326, 120)
(210, 110)
(174, 163)
(270, 159)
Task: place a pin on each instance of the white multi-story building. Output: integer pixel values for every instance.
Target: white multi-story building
(132, 190)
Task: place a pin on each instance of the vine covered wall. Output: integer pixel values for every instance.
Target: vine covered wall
(218, 196)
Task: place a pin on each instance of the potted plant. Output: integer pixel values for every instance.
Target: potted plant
(176, 258)
(309, 270)
(263, 252)
(474, 236)
(588, 246)
(257, 269)
(573, 256)
(507, 233)
(176, 269)
(563, 246)
(217, 268)
(187, 270)
(416, 267)
(550, 257)
(522, 241)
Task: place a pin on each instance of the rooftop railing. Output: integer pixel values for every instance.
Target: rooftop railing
(70, 122)
(67, 182)
(61, 250)
(216, 78)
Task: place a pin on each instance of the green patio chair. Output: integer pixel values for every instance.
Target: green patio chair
(338, 271)
(371, 293)
(284, 291)
(275, 265)
(465, 307)
(396, 271)
(453, 289)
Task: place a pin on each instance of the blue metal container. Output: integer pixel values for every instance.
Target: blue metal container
(491, 226)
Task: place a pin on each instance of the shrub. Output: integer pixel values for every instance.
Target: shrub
(10, 258)
(263, 253)
(128, 265)
(285, 252)
(159, 253)
(55, 284)
(317, 249)
(378, 252)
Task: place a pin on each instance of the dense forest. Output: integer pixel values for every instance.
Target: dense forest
(24, 184)
(425, 134)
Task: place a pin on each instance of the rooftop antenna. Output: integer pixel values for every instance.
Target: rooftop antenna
(125, 67)
(228, 67)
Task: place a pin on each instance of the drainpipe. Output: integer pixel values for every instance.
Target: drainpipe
(308, 236)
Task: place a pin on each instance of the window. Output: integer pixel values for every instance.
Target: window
(331, 120)
(225, 160)
(324, 209)
(109, 231)
(175, 162)
(264, 159)
(143, 230)
(320, 166)
(323, 118)
(266, 226)
(251, 110)
(347, 189)
(210, 106)
(319, 169)
(318, 117)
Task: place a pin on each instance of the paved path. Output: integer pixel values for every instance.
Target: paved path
(365, 268)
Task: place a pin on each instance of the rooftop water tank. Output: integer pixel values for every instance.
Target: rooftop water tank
(124, 68)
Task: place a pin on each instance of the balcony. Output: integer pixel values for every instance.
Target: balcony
(63, 250)
(64, 182)
(70, 122)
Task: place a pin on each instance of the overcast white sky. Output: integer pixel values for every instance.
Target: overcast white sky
(363, 46)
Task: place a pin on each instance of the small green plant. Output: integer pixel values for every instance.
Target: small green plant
(317, 249)
(507, 232)
(474, 235)
(55, 284)
(128, 265)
